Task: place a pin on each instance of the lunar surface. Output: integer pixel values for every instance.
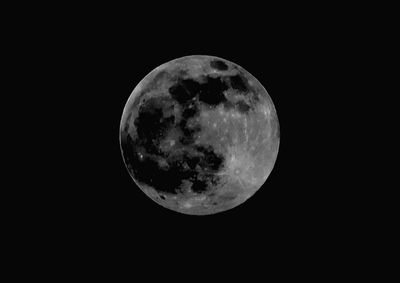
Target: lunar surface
(199, 135)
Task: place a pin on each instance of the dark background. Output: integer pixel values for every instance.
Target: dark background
(75, 67)
(93, 62)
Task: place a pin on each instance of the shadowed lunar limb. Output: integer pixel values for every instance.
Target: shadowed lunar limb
(199, 135)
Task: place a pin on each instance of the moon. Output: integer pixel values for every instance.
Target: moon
(199, 135)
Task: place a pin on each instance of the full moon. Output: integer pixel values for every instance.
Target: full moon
(199, 135)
